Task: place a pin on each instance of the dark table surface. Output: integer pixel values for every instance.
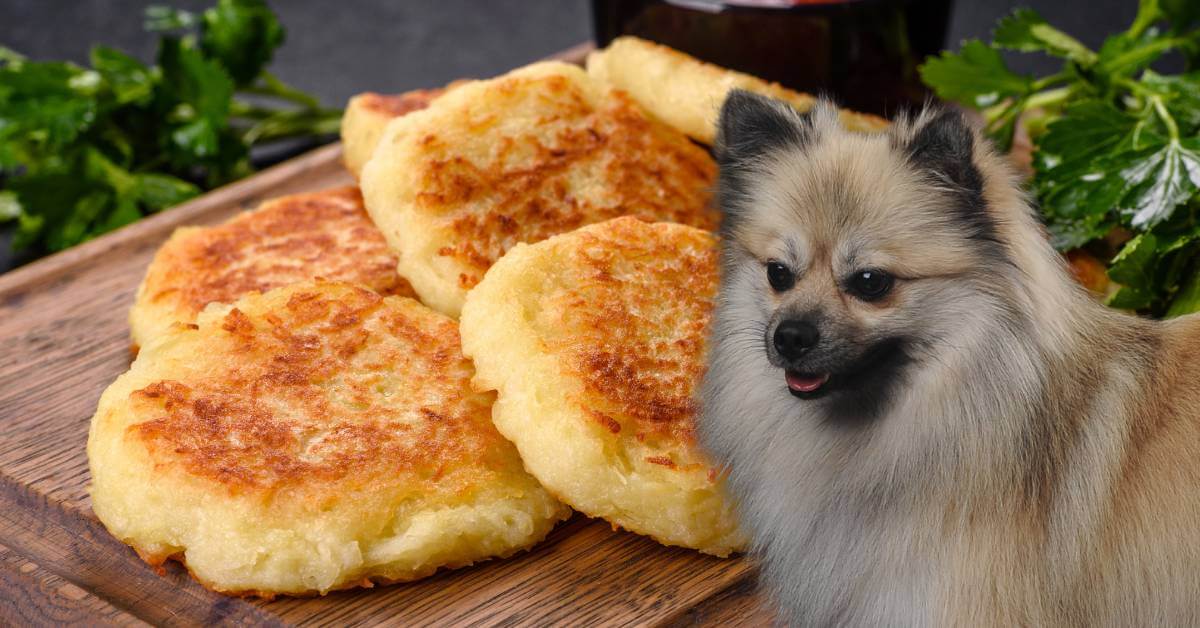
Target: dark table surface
(339, 48)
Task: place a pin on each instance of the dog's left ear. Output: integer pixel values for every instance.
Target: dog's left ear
(945, 147)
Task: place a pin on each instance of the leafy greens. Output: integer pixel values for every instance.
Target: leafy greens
(1116, 145)
(86, 150)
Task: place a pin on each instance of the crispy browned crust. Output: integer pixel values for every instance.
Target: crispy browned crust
(286, 240)
(368, 114)
(396, 105)
(260, 420)
(637, 304)
(652, 171)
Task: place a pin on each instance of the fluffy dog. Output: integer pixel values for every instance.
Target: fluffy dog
(926, 422)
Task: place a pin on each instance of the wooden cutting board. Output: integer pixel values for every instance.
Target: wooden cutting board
(64, 338)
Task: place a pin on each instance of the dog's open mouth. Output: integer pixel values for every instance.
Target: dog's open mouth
(806, 385)
(859, 383)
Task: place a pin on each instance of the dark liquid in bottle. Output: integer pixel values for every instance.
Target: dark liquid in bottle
(863, 52)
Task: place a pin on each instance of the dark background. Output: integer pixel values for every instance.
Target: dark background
(336, 48)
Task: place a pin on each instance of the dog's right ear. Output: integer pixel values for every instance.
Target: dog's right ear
(751, 125)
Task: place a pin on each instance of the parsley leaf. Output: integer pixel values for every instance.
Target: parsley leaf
(1076, 183)
(129, 79)
(194, 80)
(1162, 176)
(976, 75)
(1133, 265)
(1188, 299)
(242, 35)
(1124, 54)
(1181, 94)
(1026, 31)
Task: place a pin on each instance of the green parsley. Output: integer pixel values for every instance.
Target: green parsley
(86, 150)
(1116, 145)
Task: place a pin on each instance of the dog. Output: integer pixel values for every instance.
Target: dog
(924, 419)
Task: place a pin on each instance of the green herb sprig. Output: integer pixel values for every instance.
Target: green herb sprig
(1116, 145)
(86, 150)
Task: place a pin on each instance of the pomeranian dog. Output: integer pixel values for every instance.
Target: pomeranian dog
(925, 420)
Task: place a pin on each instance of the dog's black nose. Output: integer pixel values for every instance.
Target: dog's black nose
(793, 338)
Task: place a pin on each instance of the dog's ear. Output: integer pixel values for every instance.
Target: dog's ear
(751, 125)
(944, 146)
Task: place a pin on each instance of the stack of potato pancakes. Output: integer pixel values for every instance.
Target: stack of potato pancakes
(507, 323)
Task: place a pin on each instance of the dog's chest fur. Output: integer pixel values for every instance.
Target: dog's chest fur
(848, 550)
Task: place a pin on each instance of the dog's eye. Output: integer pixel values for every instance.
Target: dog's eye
(780, 277)
(869, 285)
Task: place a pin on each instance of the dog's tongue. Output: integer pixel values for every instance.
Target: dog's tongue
(804, 382)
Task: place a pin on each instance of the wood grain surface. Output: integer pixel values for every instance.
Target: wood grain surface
(64, 338)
